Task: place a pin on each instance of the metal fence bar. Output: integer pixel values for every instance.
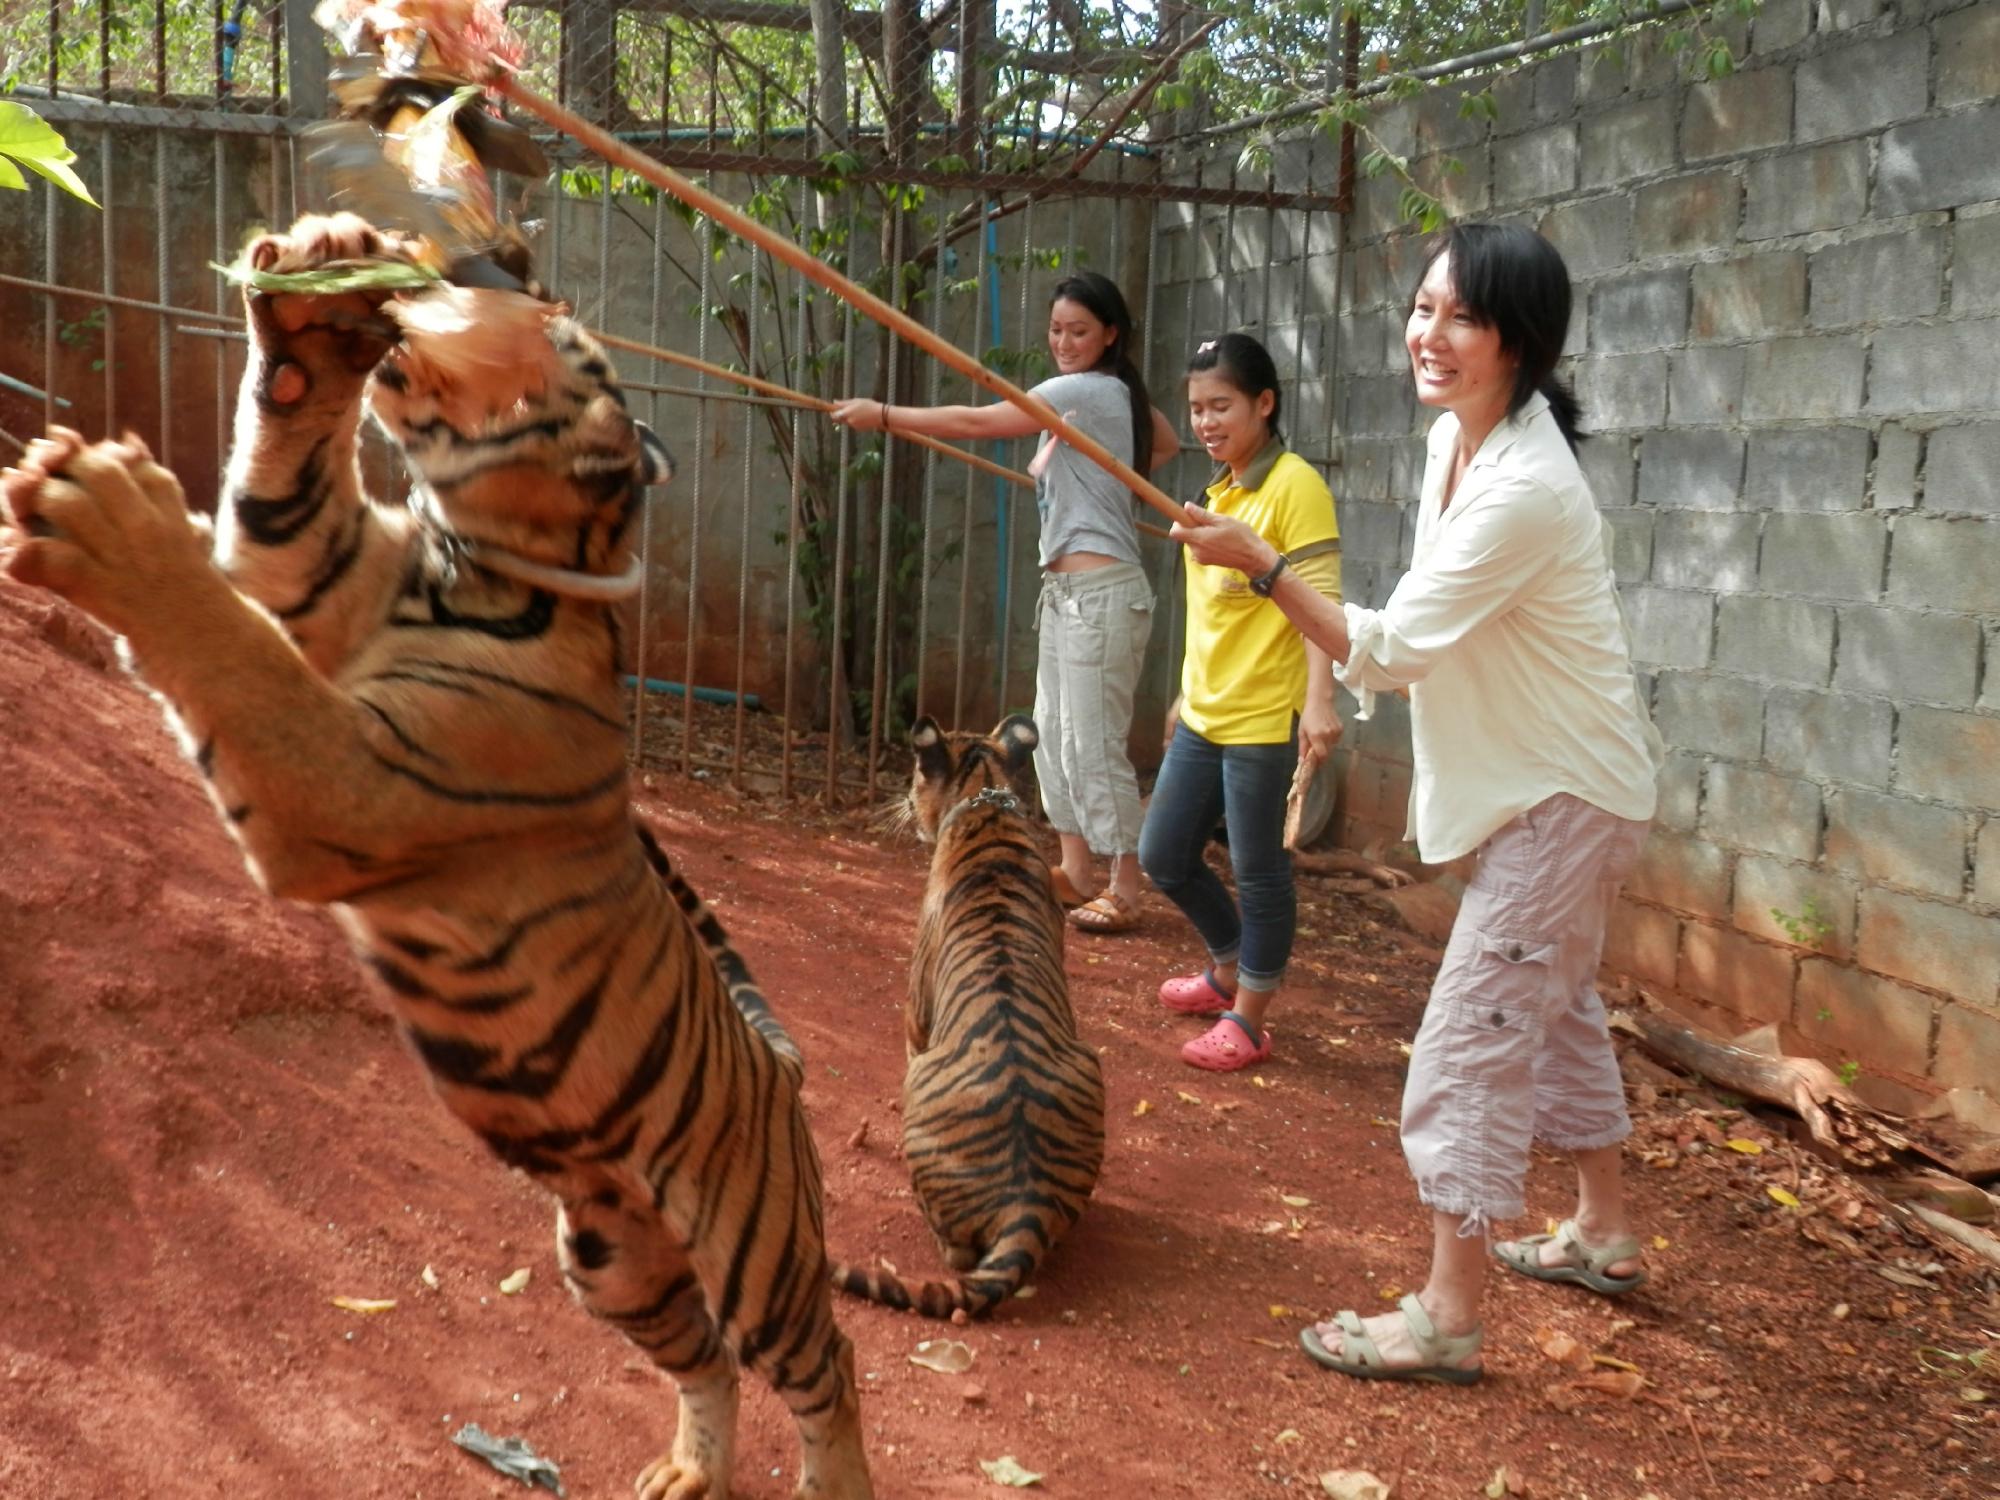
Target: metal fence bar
(794, 529)
(930, 478)
(885, 525)
(49, 262)
(836, 709)
(750, 362)
(165, 447)
(106, 222)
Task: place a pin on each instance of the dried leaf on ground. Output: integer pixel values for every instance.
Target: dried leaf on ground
(1187, 1098)
(1506, 1481)
(1748, 1148)
(1563, 1349)
(1293, 1200)
(1353, 1484)
(1143, 1107)
(1006, 1470)
(1779, 1195)
(515, 1283)
(1624, 1383)
(365, 1305)
(946, 1356)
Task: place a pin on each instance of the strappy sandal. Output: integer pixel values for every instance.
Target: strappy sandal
(1105, 912)
(1582, 1263)
(1441, 1358)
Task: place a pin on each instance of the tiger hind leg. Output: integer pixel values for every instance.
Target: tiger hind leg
(816, 1383)
(624, 1267)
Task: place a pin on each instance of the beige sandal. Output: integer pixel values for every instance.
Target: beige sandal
(1440, 1356)
(1107, 911)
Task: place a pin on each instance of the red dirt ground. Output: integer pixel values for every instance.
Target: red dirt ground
(208, 1130)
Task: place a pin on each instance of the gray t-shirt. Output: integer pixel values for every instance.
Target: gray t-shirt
(1084, 509)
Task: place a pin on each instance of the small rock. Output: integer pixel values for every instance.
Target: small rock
(973, 1395)
(1821, 1474)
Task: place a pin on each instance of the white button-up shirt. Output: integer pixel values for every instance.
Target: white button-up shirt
(1507, 632)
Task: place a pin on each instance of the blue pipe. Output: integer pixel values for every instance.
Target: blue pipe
(702, 694)
(10, 383)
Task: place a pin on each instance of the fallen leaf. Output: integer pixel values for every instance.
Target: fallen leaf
(1279, 1310)
(1353, 1484)
(1506, 1481)
(1748, 1148)
(1289, 1435)
(1143, 1107)
(1391, 1293)
(946, 1356)
(429, 1278)
(1293, 1200)
(1378, 1120)
(1973, 1394)
(516, 1283)
(511, 1456)
(1660, 1242)
(1616, 1364)
(1228, 1106)
(1258, 1079)
(1274, 1226)
(1022, 1294)
(1185, 1097)
(1005, 1470)
(1779, 1195)
(1563, 1349)
(1902, 1278)
(1706, 1392)
(364, 1305)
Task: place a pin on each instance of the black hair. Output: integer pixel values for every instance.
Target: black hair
(1245, 364)
(1511, 279)
(1099, 296)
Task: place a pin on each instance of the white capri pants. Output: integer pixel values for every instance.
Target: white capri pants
(1513, 1047)
(1094, 628)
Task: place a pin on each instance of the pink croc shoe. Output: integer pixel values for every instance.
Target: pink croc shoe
(1196, 994)
(1221, 1049)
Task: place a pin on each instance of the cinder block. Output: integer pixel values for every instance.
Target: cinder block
(1944, 162)
(1824, 557)
(1643, 310)
(1555, 81)
(1752, 297)
(1623, 390)
(1890, 840)
(1627, 141)
(1897, 452)
(1737, 115)
(1594, 235)
(1830, 735)
(1813, 468)
(1943, 367)
(1371, 532)
(1962, 469)
(1364, 475)
(1818, 905)
(1609, 467)
(1540, 164)
(1846, 15)
(1797, 192)
(1968, 58)
(1879, 1023)
(1670, 628)
(1706, 550)
(1780, 24)
(1853, 90)
(1975, 265)
(1986, 863)
(1909, 656)
(1940, 563)
(1878, 279)
(1643, 942)
(1989, 689)
(1931, 943)
(1443, 123)
(1691, 471)
(1631, 543)
(1748, 978)
(1951, 757)
(1790, 379)
(1787, 640)
(1679, 788)
(1711, 715)
(1685, 215)
(1687, 875)
(1762, 811)
(1378, 405)
(1968, 1047)
(1705, 386)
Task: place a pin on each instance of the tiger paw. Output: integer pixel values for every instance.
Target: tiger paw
(322, 344)
(103, 525)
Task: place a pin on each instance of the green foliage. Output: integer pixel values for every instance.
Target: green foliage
(1808, 929)
(1848, 1071)
(27, 138)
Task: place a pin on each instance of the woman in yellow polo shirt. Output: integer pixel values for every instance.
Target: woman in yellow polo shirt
(1251, 693)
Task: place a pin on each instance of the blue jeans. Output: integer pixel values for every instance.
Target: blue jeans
(1246, 786)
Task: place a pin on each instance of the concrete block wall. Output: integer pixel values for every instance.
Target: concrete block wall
(1787, 340)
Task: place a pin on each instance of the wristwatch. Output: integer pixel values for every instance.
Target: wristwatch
(1265, 582)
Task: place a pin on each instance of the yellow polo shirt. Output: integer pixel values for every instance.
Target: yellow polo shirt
(1244, 675)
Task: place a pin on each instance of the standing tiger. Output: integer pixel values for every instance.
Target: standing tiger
(1003, 1108)
(415, 715)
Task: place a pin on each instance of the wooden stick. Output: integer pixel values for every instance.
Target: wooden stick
(810, 266)
(817, 403)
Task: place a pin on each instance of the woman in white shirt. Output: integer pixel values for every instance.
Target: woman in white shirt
(1530, 746)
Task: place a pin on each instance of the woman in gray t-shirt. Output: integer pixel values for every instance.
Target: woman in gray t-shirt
(1096, 610)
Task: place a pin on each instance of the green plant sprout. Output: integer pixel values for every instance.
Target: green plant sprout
(1808, 929)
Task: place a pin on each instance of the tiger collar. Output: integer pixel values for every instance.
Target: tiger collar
(992, 796)
(601, 588)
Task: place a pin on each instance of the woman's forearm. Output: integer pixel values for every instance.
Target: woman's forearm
(1319, 619)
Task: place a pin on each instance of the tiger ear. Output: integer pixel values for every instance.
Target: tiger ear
(656, 465)
(1018, 737)
(933, 755)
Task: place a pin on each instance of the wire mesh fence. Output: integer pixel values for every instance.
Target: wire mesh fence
(809, 591)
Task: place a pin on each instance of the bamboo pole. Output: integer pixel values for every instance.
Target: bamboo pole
(611, 149)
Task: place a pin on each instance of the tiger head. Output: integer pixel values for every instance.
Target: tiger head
(952, 768)
(559, 474)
